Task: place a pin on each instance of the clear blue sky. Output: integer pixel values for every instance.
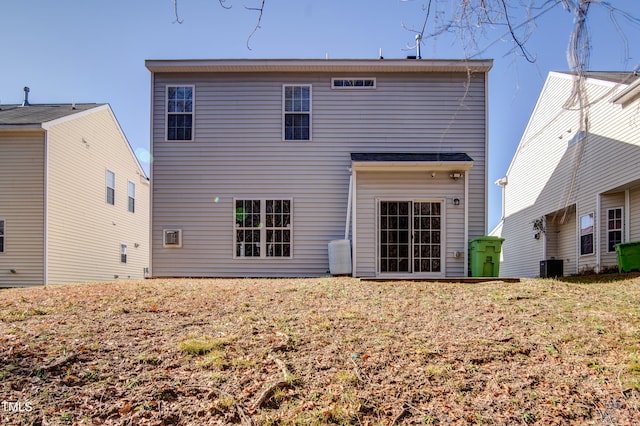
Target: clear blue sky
(94, 51)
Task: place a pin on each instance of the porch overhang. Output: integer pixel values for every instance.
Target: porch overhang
(428, 162)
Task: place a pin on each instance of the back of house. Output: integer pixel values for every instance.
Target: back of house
(259, 164)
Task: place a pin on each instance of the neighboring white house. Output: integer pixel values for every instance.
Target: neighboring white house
(74, 201)
(572, 190)
(259, 164)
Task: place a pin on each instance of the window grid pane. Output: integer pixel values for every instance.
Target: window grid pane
(278, 236)
(586, 234)
(263, 223)
(247, 216)
(297, 112)
(180, 113)
(1, 236)
(111, 187)
(132, 197)
(123, 253)
(614, 228)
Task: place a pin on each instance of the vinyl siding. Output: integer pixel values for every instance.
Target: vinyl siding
(84, 232)
(372, 187)
(548, 174)
(22, 207)
(238, 152)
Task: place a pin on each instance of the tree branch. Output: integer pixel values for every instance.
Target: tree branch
(260, 11)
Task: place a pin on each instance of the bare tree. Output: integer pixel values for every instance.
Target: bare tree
(223, 3)
(475, 21)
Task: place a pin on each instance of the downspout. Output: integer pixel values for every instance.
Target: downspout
(151, 181)
(348, 221)
(354, 207)
(627, 215)
(466, 223)
(45, 201)
(597, 225)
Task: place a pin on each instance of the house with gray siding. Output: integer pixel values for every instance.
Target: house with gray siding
(572, 191)
(258, 165)
(73, 198)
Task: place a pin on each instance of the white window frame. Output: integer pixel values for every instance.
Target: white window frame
(265, 247)
(309, 113)
(352, 83)
(3, 235)
(131, 196)
(112, 188)
(610, 230)
(167, 113)
(123, 253)
(175, 231)
(583, 233)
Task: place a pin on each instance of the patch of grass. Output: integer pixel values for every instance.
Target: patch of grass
(202, 345)
(214, 359)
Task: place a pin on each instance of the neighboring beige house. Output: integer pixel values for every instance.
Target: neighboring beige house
(260, 164)
(572, 190)
(74, 201)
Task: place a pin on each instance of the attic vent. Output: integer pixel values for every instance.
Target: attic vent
(172, 238)
(353, 83)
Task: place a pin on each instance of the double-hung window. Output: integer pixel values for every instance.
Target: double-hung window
(586, 234)
(131, 190)
(614, 228)
(180, 113)
(123, 253)
(2, 233)
(111, 187)
(297, 112)
(263, 228)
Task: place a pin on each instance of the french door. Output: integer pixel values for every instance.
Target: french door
(410, 237)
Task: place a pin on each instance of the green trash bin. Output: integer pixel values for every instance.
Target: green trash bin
(485, 256)
(628, 255)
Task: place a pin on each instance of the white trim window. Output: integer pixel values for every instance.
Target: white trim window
(2, 235)
(263, 228)
(123, 253)
(586, 233)
(111, 188)
(296, 112)
(131, 196)
(353, 83)
(614, 228)
(180, 113)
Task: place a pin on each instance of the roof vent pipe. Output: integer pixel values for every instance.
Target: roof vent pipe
(26, 97)
(418, 42)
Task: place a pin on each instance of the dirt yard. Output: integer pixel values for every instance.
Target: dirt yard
(321, 351)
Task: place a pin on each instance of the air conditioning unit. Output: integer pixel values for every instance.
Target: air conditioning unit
(172, 238)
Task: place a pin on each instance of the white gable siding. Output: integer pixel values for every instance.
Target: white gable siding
(547, 175)
(238, 152)
(84, 232)
(22, 208)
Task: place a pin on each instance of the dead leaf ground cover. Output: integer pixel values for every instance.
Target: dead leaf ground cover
(321, 351)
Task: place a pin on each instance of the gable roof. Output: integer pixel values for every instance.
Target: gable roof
(618, 77)
(36, 114)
